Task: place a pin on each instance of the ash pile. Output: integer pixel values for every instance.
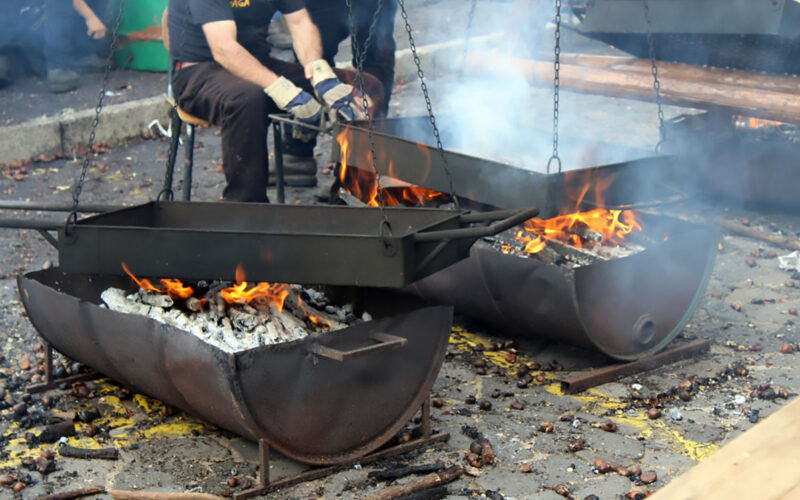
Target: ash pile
(235, 316)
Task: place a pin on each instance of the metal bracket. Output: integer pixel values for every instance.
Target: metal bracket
(52, 383)
(385, 341)
(265, 485)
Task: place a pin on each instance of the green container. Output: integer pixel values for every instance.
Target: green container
(140, 45)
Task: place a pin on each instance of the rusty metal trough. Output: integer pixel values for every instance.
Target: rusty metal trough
(296, 396)
(626, 308)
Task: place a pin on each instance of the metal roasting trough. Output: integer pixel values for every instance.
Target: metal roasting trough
(325, 399)
(626, 307)
(357, 246)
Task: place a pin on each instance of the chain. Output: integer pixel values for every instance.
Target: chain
(428, 104)
(76, 193)
(470, 19)
(556, 86)
(358, 57)
(662, 129)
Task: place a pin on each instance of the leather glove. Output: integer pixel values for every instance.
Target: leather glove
(337, 96)
(299, 103)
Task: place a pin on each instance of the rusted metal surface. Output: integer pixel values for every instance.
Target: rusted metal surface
(403, 152)
(360, 246)
(626, 308)
(310, 408)
(580, 383)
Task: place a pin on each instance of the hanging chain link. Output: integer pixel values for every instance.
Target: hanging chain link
(359, 56)
(467, 35)
(662, 129)
(76, 193)
(428, 104)
(556, 87)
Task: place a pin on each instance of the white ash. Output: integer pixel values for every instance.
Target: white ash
(236, 327)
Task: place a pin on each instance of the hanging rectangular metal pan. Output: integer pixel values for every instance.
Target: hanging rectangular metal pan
(403, 151)
(277, 243)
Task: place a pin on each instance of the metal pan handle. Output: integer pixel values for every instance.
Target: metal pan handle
(385, 341)
(510, 218)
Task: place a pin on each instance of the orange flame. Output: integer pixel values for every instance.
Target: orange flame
(274, 293)
(363, 184)
(578, 228)
(172, 287)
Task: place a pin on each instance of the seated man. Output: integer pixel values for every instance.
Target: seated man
(226, 76)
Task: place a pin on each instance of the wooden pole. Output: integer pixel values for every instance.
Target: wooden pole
(748, 94)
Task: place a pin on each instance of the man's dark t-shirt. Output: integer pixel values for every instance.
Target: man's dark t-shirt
(186, 17)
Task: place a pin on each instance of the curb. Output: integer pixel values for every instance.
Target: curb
(64, 133)
(120, 122)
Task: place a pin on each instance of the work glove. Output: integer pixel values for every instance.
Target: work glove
(298, 103)
(337, 96)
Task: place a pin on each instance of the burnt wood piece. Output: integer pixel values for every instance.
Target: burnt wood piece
(405, 470)
(610, 373)
(752, 232)
(431, 494)
(426, 482)
(69, 495)
(160, 495)
(66, 450)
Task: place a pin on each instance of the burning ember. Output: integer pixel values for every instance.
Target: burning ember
(363, 185)
(234, 317)
(586, 229)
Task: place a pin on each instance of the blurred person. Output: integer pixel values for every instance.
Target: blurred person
(20, 39)
(225, 74)
(74, 39)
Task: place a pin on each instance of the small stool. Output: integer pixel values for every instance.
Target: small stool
(179, 117)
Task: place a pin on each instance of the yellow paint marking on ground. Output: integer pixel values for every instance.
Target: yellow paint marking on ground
(596, 402)
(180, 428)
(117, 417)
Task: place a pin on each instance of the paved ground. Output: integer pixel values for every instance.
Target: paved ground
(748, 303)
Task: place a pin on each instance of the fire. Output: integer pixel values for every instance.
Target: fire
(579, 229)
(741, 121)
(274, 293)
(363, 184)
(172, 287)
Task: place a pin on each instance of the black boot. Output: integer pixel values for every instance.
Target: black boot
(298, 171)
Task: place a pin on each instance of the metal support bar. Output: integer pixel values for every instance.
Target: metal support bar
(610, 373)
(49, 381)
(56, 207)
(188, 162)
(426, 418)
(49, 237)
(277, 135)
(266, 486)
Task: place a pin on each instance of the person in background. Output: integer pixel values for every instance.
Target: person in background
(332, 18)
(74, 39)
(225, 74)
(20, 39)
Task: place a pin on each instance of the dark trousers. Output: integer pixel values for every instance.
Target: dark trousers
(65, 38)
(240, 109)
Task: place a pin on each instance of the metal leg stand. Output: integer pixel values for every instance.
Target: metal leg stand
(277, 135)
(49, 381)
(266, 485)
(188, 162)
